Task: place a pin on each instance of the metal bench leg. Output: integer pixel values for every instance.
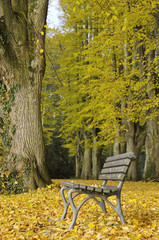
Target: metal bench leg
(66, 204)
(74, 208)
(101, 204)
(117, 208)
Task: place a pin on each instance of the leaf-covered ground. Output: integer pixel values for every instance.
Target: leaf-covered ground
(36, 215)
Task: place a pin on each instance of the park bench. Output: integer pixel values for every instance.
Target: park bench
(115, 168)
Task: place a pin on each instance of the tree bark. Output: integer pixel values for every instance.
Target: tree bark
(151, 169)
(87, 159)
(22, 66)
(136, 134)
(116, 145)
(135, 139)
(96, 155)
(132, 173)
(79, 156)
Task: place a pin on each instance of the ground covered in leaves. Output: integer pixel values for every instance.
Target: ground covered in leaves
(36, 215)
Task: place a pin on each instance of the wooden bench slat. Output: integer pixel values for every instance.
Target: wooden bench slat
(123, 162)
(129, 155)
(98, 189)
(110, 188)
(91, 188)
(70, 184)
(115, 176)
(106, 189)
(82, 186)
(122, 169)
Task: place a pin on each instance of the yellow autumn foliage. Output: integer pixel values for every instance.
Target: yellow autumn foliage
(102, 57)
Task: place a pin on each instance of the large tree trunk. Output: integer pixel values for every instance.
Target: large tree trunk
(22, 66)
(27, 143)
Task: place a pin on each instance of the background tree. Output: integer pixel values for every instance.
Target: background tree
(52, 117)
(109, 73)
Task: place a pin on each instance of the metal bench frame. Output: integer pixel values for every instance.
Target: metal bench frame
(102, 192)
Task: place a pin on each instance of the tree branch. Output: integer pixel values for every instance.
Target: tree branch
(52, 64)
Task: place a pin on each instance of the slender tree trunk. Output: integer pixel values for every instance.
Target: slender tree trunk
(151, 168)
(116, 146)
(135, 135)
(130, 134)
(79, 156)
(86, 167)
(135, 139)
(152, 137)
(96, 156)
(132, 173)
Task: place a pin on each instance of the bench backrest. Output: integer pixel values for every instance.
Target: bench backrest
(116, 167)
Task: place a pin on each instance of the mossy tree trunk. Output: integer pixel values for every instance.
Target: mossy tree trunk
(22, 66)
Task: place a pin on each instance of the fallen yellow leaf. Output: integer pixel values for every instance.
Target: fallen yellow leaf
(91, 225)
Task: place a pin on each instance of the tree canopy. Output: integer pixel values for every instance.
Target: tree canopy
(107, 74)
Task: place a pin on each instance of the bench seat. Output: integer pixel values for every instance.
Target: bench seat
(104, 190)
